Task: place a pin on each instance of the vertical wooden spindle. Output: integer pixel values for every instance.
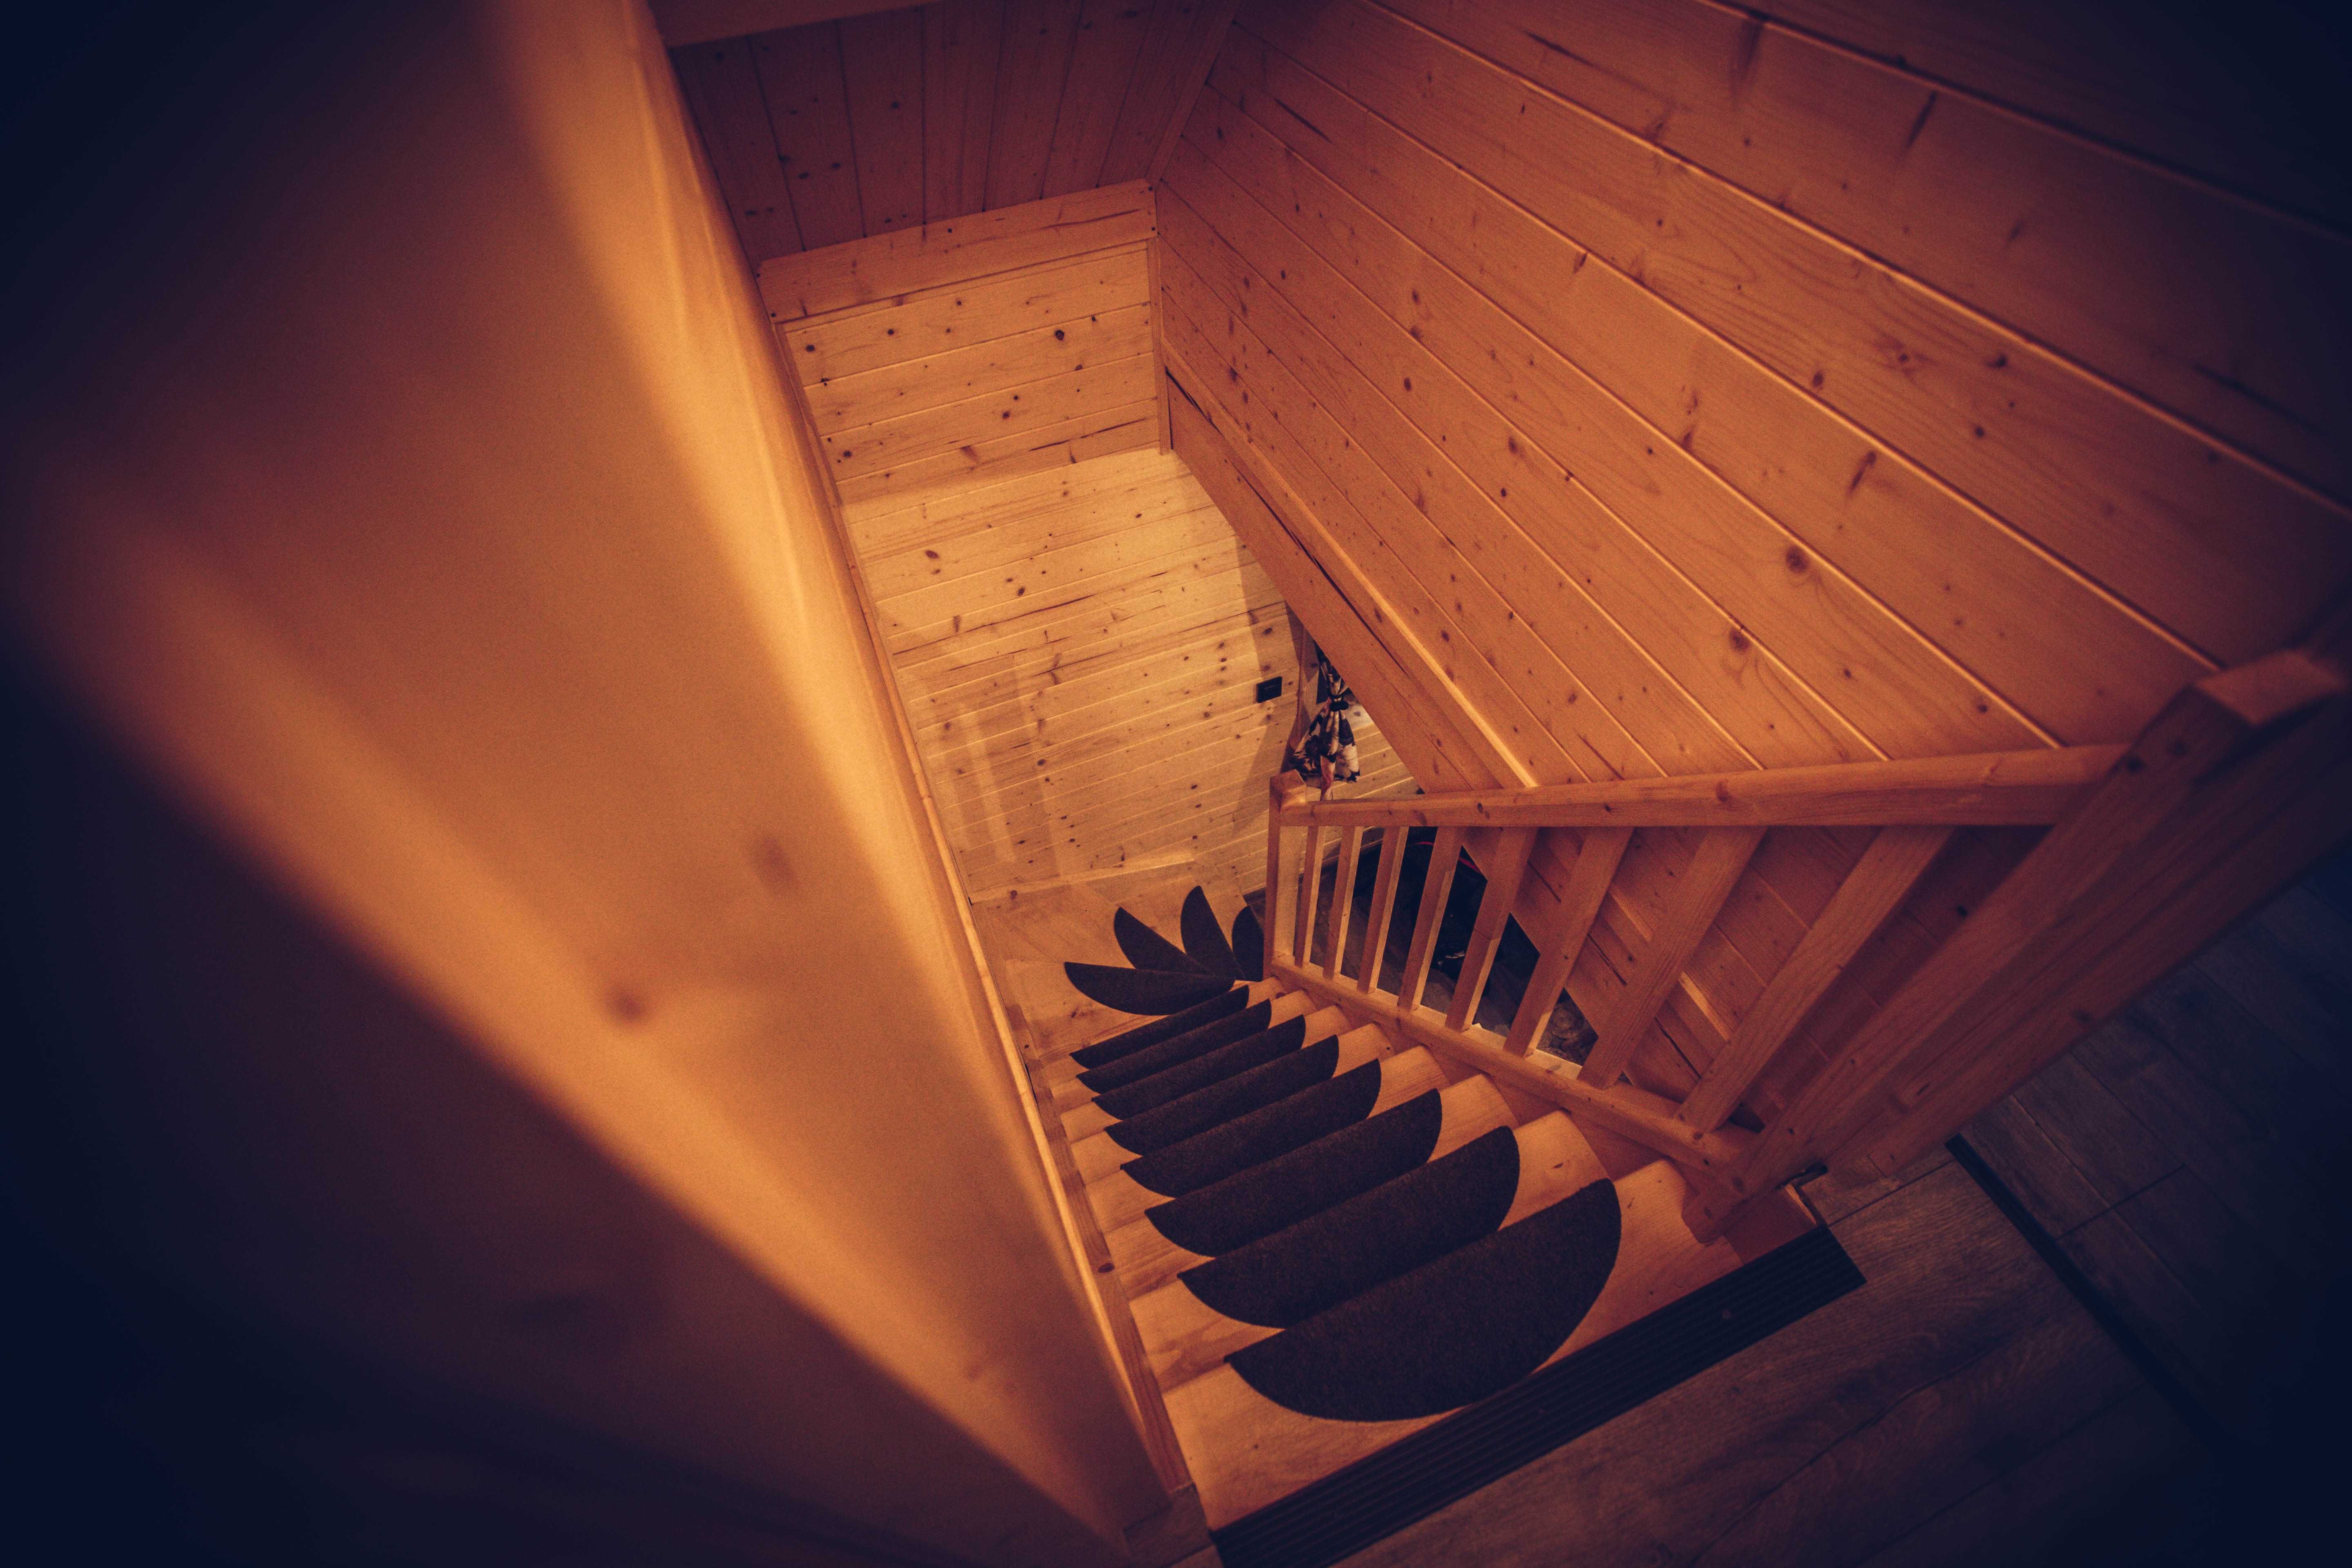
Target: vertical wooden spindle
(1588, 886)
(1343, 898)
(1311, 888)
(1509, 863)
(1434, 889)
(1376, 928)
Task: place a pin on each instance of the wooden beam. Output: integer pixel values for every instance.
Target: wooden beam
(1647, 1119)
(1384, 890)
(2204, 746)
(1435, 886)
(1588, 886)
(1722, 855)
(2214, 861)
(1990, 789)
(1216, 20)
(1879, 882)
(1505, 866)
(861, 271)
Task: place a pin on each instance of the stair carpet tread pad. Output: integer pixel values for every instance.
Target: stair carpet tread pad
(1326, 1245)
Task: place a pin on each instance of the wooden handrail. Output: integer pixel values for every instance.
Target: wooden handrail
(1991, 789)
(2135, 827)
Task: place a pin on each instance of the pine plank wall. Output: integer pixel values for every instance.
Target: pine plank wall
(1703, 391)
(1076, 633)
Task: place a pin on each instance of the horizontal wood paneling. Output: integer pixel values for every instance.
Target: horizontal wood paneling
(1007, 342)
(894, 119)
(2056, 240)
(1078, 651)
(1691, 392)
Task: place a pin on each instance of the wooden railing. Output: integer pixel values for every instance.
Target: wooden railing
(2152, 850)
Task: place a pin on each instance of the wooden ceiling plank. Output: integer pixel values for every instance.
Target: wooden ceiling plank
(982, 245)
(881, 62)
(808, 110)
(1040, 37)
(723, 92)
(960, 42)
(1103, 61)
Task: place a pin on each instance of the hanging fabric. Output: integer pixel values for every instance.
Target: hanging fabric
(1325, 752)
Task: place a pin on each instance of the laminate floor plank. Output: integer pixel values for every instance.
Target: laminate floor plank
(1948, 1284)
(2062, 1507)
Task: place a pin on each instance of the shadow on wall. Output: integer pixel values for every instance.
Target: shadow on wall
(308, 1281)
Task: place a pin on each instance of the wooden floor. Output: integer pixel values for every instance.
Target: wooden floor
(2190, 1156)
(1927, 1415)
(1964, 1407)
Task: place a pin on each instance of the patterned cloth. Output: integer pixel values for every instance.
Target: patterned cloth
(1326, 754)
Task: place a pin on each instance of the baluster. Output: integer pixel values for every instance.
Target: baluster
(1509, 863)
(1277, 889)
(1714, 871)
(1588, 886)
(1343, 898)
(1443, 858)
(1384, 890)
(1311, 888)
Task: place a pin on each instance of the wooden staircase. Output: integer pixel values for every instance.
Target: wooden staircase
(1385, 1265)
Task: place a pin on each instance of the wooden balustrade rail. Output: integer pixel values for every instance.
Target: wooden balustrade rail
(1992, 790)
(2255, 756)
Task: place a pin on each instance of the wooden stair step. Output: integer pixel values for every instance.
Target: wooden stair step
(1228, 1054)
(1246, 1451)
(1146, 1260)
(1061, 1073)
(1098, 1153)
(1118, 1199)
(1185, 1338)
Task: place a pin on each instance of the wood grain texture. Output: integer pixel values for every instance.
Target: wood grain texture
(1078, 650)
(2010, 787)
(1870, 154)
(1855, 499)
(886, 115)
(2132, 499)
(723, 92)
(956, 251)
(1931, 1398)
(808, 114)
(2239, 101)
(890, 117)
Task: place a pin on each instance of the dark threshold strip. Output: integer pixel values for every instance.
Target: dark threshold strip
(1413, 1478)
(2170, 1389)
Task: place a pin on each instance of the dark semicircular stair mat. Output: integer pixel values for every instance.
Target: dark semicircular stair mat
(1262, 1135)
(1210, 1067)
(1280, 1192)
(1145, 1036)
(1137, 1066)
(1146, 949)
(1205, 939)
(1249, 944)
(1452, 1331)
(1145, 991)
(1283, 1279)
(1221, 1102)
(1333, 1518)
